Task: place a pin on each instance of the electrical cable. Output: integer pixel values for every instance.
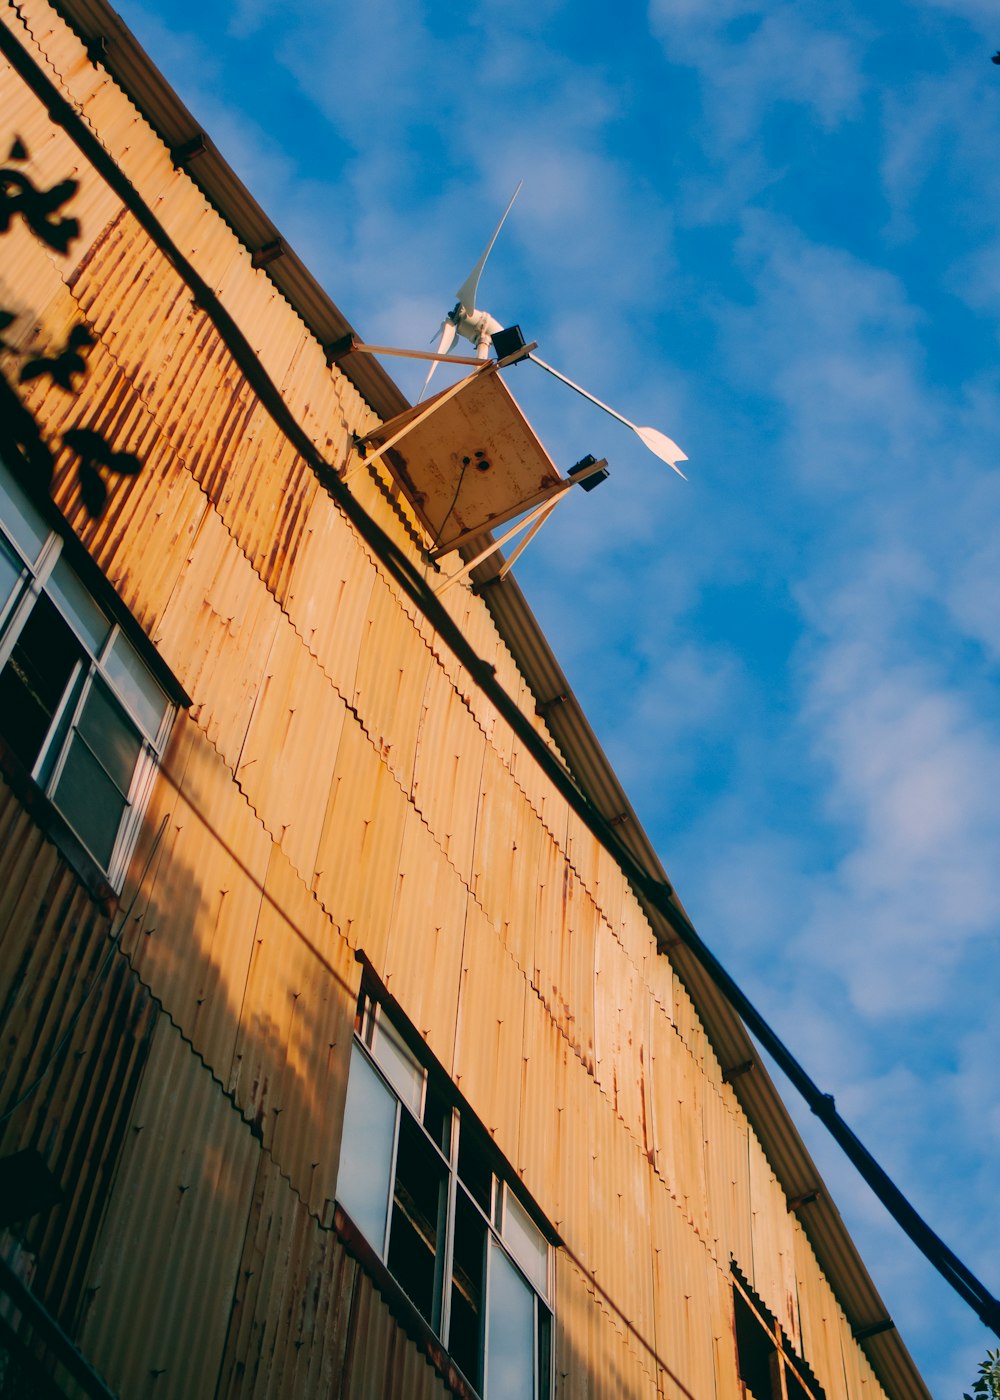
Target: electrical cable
(658, 893)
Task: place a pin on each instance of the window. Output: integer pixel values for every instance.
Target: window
(79, 707)
(768, 1365)
(419, 1179)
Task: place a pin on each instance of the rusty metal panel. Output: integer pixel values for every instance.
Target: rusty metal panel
(621, 1035)
(684, 1288)
(286, 766)
(137, 303)
(544, 1129)
(666, 1050)
(564, 955)
(290, 1327)
(448, 770)
(598, 1354)
(491, 1032)
(773, 1247)
(191, 932)
(619, 1181)
(502, 877)
(52, 158)
(727, 1175)
(77, 1025)
(822, 1323)
(289, 1070)
(312, 389)
(423, 959)
(393, 667)
(582, 851)
(688, 1024)
(216, 634)
(169, 1249)
(360, 844)
(329, 591)
(382, 1361)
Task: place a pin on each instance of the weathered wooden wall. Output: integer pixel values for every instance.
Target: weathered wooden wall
(339, 785)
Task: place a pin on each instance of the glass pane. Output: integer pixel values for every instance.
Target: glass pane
(510, 1345)
(135, 685)
(33, 682)
(89, 801)
(526, 1243)
(401, 1068)
(437, 1117)
(78, 606)
(465, 1334)
(416, 1230)
(474, 1169)
(366, 1150)
(11, 570)
(20, 518)
(111, 737)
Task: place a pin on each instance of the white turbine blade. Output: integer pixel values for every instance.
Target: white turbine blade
(467, 291)
(664, 448)
(447, 334)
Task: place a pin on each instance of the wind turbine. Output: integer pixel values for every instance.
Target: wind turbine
(464, 319)
(480, 327)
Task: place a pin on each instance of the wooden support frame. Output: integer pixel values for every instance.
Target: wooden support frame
(532, 522)
(539, 499)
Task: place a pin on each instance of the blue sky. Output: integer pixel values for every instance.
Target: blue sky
(774, 233)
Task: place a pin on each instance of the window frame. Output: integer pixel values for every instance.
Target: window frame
(782, 1357)
(379, 1016)
(34, 578)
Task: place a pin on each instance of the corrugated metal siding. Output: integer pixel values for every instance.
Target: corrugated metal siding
(73, 1054)
(192, 931)
(216, 634)
(490, 1032)
(288, 1336)
(390, 678)
(448, 772)
(423, 959)
(595, 1357)
(329, 593)
(170, 1246)
(299, 716)
(296, 1023)
(362, 832)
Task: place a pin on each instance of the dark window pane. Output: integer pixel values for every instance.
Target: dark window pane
(474, 1169)
(89, 800)
(416, 1229)
(10, 571)
(35, 678)
(510, 1349)
(437, 1117)
(111, 737)
(796, 1389)
(465, 1337)
(754, 1349)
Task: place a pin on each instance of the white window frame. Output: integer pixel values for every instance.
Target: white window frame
(34, 581)
(374, 1025)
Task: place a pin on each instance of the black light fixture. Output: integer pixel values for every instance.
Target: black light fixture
(508, 341)
(589, 482)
